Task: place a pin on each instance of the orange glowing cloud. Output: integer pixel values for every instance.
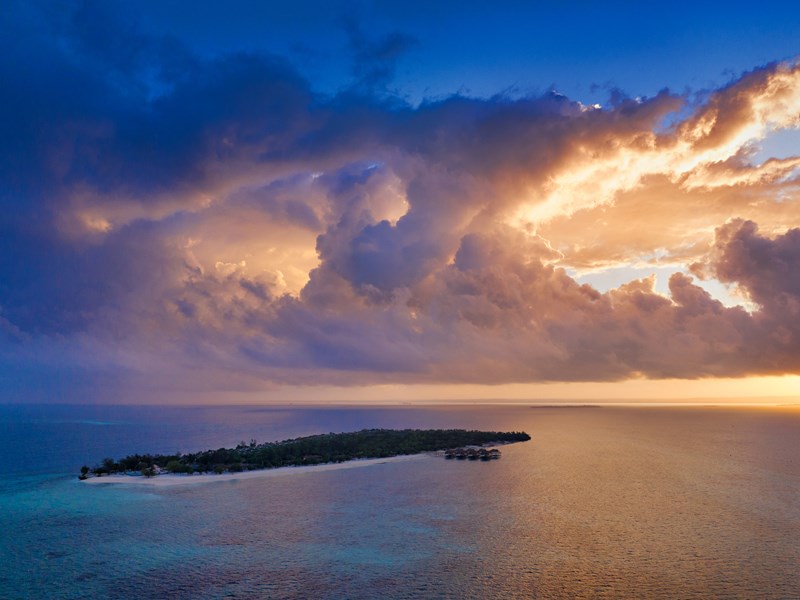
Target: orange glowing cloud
(286, 238)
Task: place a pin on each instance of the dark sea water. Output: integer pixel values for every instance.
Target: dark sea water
(602, 503)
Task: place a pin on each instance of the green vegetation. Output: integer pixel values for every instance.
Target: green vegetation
(311, 450)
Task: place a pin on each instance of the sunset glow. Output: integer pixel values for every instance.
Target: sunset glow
(358, 299)
(188, 222)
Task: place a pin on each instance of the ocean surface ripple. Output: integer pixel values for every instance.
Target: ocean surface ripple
(602, 503)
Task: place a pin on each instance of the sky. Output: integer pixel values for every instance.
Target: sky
(399, 201)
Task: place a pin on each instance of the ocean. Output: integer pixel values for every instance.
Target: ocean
(611, 502)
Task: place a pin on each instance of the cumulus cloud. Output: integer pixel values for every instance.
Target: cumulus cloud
(187, 221)
(765, 268)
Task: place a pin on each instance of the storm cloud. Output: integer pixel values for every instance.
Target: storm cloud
(176, 220)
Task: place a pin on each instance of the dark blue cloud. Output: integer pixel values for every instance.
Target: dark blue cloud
(375, 60)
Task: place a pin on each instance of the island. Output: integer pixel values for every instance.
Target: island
(310, 450)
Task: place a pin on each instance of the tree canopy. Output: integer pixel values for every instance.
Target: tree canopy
(310, 450)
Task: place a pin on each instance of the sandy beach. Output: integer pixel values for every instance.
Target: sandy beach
(172, 480)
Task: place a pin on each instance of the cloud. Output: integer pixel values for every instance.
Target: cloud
(375, 60)
(765, 268)
(174, 221)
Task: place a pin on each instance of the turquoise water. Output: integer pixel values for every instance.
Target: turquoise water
(602, 503)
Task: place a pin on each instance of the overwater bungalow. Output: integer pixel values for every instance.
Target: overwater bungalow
(472, 453)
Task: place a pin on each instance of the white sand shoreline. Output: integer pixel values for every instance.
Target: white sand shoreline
(172, 480)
